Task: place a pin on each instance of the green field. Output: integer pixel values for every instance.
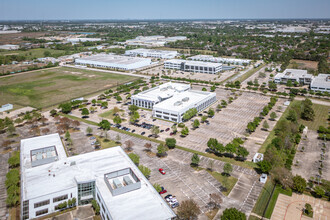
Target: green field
(321, 116)
(249, 73)
(108, 114)
(34, 53)
(49, 87)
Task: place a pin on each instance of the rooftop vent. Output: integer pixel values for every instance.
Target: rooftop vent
(73, 163)
(185, 99)
(177, 103)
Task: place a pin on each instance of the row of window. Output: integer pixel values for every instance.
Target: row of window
(46, 202)
(41, 212)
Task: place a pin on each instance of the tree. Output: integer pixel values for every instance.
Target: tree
(117, 120)
(76, 124)
(319, 191)
(67, 135)
(12, 178)
(89, 130)
(223, 103)
(195, 159)
(174, 128)
(161, 150)
(219, 107)
(96, 207)
(299, 184)
(185, 131)
(105, 125)
(170, 142)
(265, 125)
(196, 123)
(292, 116)
(155, 130)
(210, 112)
(129, 145)
(188, 210)
(215, 200)
(53, 112)
(227, 169)
(204, 89)
(232, 214)
(308, 209)
(104, 104)
(272, 86)
(135, 158)
(307, 112)
(283, 176)
(11, 129)
(118, 98)
(14, 160)
(133, 108)
(265, 166)
(65, 107)
(84, 112)
(204, 118)
(157, 187)
(289, 83)
(145, 171)
(242, 152)
(273, 116)
(212, 89)
(115, 110)
(148, 146)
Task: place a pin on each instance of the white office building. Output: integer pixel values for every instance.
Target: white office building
(321, 83)
(152, 41)
(6, 107)
(294, 75)
(193, 66)
(163, 54)
(9, 47)
(209, 58)
(83, 39)
(113, 61)
(49, 178)
(170, 101)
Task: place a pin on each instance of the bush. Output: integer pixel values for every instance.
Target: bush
(135, 158)
(170, 142)
(96, 207)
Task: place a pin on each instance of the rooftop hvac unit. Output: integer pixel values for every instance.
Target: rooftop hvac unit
(117, 183)
(185, 99)
(177, 103)
(127, 180)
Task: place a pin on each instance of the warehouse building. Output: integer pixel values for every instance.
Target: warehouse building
(49, 178)
(6, 107)
(152, 41)
(114, 61)
(321, 83)
(294, 75)
(9, 47)
(163, 54)
(209, 58)
(170, 101)
(193, 66)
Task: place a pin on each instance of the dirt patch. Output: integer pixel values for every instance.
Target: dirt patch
(303, 64)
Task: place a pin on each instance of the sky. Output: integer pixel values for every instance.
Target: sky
(162, 9)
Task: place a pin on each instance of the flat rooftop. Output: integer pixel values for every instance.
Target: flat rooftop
(294, 73)
(163, 91)
(64, 174)
(194, 63)
(143, 50)
(183, 101)
(217, 59)
(322, 80)
(110, 58)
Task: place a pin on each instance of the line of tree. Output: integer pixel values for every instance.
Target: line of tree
(190, 80)
(189, 114)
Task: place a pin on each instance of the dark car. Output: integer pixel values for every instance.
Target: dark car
(133, 131)
(161, 130)
(143, 133)
(167, 129)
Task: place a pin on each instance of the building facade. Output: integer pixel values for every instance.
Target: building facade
(162, 54)
(321, 83)
(209, 58)
(294, 75)
(49, 178)
(193, 66)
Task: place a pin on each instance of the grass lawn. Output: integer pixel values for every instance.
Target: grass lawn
(49, 87)
(251, 217)
(107, 143)
(227, 181)
(34, 53)
(321, 116)
(249, 73)
(109, 114)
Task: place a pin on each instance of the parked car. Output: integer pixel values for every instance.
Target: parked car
(172, 133)
(168, 197)
(133, 131)
(161, 130)
(263, 178)
(162, 171)
(92, 138)
(163, 191)
(143, 133)
(167, 129)
(154, 119)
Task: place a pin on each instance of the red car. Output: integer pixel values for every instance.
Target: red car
(163, 191)
(162, 171)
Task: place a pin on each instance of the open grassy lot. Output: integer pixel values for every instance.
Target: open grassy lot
(321, 116)
(34, 53)
(249, 73)
(49, 87)
(303, 64)
(109, 114)
(227, 181)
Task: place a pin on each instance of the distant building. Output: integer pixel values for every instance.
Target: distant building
(114, 61)
(152, 41)
(9, 47)
(77, 40)
(210, 58)
(170, 101)
(6, 107)
(49, 178)
(294, 75)
(163, 54)
(321, 83)
(193, 66)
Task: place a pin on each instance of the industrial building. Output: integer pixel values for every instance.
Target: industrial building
(6, 107)
(49, 178)
(170, 101)
(294, 75)
(82, 39)
(114, 61)
(163, 54)
(209, 58)
(193, 66)
(321, 83)
(152, 41)
(9, 47)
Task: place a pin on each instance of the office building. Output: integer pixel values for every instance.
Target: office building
(294, 75)
(113, 61)
(152, 41)
(49, 178)
(209, 58)
(193, 66)
(321, 83)
(9, 47)
(6, 107)
(163, 54)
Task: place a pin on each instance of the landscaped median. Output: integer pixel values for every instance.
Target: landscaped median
(245, 164)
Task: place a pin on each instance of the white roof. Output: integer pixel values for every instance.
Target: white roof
(321, 81)
(194, 63)
(110, 58)
(163, 91)
(184, 101)
(36, 181)
(143, 50)
(293, 74)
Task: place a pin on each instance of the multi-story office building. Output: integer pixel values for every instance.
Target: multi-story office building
(321, 83)
(170, 101)
(114, 61)
(163, 54)
(209, 58)
(294, 75)
(193, 66)
(49, 178)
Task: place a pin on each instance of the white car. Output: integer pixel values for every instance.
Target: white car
(263, 178)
